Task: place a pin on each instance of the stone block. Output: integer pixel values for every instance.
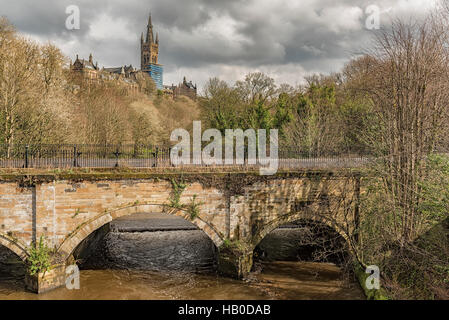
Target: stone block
(43, 282)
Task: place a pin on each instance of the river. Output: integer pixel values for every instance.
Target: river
(181, 259)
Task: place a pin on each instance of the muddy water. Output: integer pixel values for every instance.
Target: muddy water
(165, 245)
(278, 280)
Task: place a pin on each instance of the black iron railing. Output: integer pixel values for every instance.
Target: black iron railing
(150, 156)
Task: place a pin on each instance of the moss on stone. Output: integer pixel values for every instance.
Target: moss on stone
(232, 181)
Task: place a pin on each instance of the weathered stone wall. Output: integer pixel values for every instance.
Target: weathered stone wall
(16, 217)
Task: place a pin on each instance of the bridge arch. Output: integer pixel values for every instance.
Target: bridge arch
(288, 218)
(80, 233)
(13, 246)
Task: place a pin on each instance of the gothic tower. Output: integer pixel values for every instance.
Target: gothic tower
(149, 54)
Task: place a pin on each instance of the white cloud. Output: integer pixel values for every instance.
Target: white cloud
(339, 19)
(105, 27)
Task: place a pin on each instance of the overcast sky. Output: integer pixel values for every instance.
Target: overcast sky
(287, 39)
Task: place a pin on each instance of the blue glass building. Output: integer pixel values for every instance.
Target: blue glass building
(156, 73)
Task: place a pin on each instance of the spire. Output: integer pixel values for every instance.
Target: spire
(141, 38)
(157, 38)
(91, 60)
(150, 35)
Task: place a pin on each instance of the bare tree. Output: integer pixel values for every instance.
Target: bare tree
(256, 87)
(19, 82)
(410, 93)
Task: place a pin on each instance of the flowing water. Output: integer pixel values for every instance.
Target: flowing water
(182, 262)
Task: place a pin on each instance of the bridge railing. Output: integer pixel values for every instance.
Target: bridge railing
(151, 156)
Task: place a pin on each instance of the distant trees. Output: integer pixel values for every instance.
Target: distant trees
(319, 118)
(251, 103)
(221, 104)
(257, 87)
(101, 116)
(315, 129)
(30, 89)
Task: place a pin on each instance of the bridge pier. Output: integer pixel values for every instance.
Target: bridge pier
(46, 281)
(234, 264)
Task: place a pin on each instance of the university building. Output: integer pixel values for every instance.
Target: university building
(89, 73)
(86, 68)
(149, 60)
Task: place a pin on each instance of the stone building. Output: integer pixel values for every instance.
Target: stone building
(125, 72)
(86, 68)
(185, 88)
(125, 76)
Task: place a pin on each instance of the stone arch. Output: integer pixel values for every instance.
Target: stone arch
(15, 247)
(295, 217)
(84, 230)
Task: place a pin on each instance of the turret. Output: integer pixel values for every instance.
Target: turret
(150, 35)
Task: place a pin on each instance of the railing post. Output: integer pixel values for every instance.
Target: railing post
(75, 155)
(117, 154)
(157, 155)
(26, 156)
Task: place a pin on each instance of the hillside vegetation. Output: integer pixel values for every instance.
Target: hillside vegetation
(43, 102)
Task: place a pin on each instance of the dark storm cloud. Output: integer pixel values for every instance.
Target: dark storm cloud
(205, 38)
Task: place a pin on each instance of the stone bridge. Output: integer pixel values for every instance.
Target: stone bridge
(235, 210)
